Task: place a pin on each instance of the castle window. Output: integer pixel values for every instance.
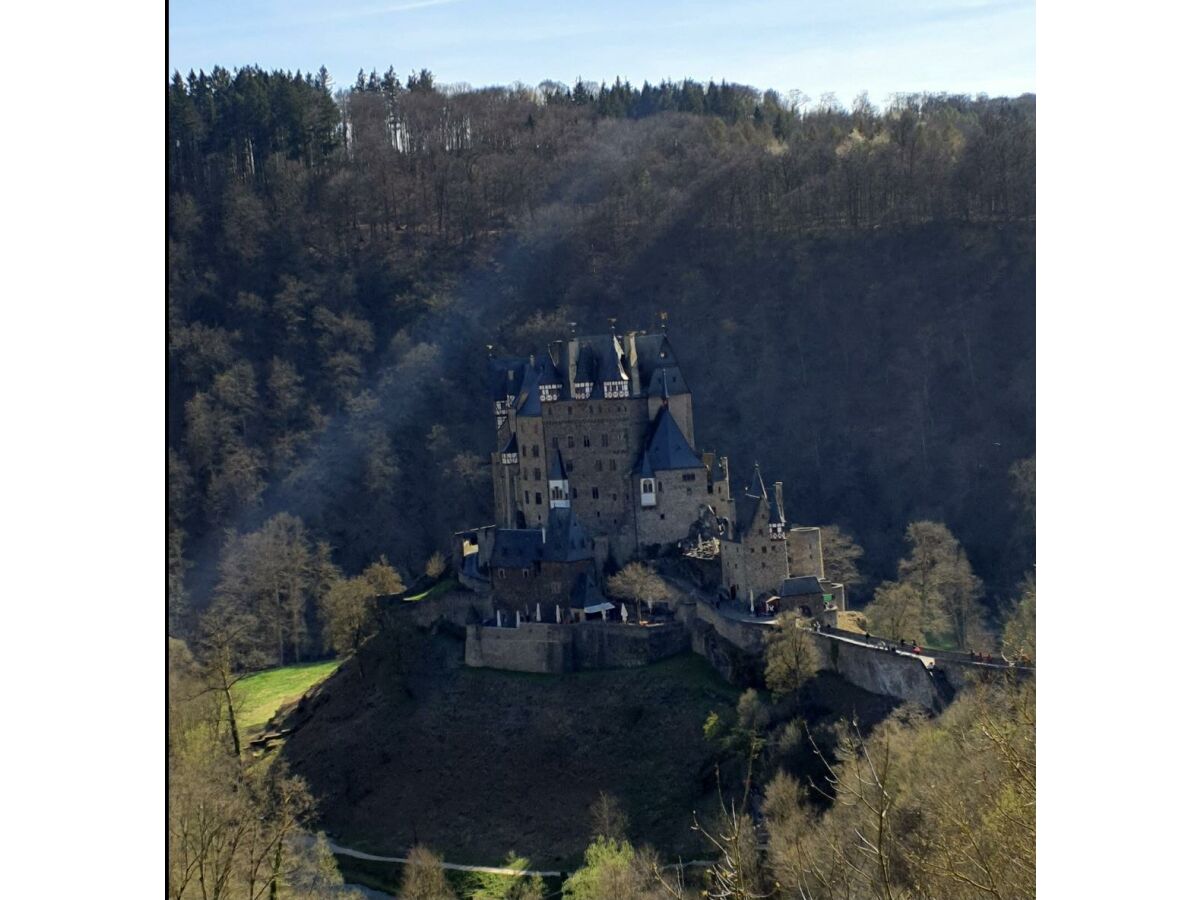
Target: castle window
(527, 498)
(554, 442)
(599, 465)
(537, 474)
(522, 450)
(612, 465)
(556, 493)
(596, 495)
(689, 476)
(574, 492)
(570, 440)
(662, 515)
(570, 465)
(604, 439)
(537, 498)
(501, 573)
(537, 451)
(648, 498)
(524, 474)
(587, 441)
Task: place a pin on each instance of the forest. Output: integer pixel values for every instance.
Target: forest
(851, 295)
(850, 291)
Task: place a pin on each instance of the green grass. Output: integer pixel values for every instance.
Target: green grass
(262, 694)
(440, 588)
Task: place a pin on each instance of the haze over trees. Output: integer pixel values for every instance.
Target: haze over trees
(336, 265)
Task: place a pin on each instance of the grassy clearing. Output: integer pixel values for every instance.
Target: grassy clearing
(440, 588)
(262, 694)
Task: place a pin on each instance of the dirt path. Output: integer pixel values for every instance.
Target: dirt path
(339, 850)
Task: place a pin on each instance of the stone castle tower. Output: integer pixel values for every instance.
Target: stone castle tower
(595, 463)
(603, 425)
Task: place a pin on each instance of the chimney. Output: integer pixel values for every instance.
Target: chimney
(635, 378)
(556, 354)
(779, 500)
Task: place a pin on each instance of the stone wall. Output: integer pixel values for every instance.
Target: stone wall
(756, 562)
(878, 671)
(805, 556)
(548, 582)
(554, 649)
(600, 440)
(747, 636)
(535, 647)
(678, 503)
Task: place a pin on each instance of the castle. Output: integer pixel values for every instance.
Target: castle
(595, 465)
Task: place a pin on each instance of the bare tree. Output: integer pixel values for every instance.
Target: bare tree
(639, 583)
(791, 655)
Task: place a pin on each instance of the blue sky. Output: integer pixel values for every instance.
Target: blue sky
(959, 46)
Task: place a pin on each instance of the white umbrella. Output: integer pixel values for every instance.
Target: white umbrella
(518, 618)
(624, 613)
(499, 622)
(539, 612)
(557, 613)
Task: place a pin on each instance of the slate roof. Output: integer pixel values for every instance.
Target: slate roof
(666, 447)
(667, 380)
(654, 351)
(548, 373)
(516, 548)
(566, 539)
(800, 585)
(528, 402)
(558, 472)
(748, 504)
(511, 446)
(498, 370)
(611, 360)
(585, 365)
(586, 595)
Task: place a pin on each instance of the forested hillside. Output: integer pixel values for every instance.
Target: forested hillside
(851, 294)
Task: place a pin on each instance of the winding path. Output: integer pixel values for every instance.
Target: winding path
(339, 850)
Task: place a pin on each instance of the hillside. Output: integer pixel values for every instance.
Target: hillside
(478, 763)
(850, 293)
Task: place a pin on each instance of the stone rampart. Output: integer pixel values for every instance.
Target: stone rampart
(747, 636)
(554, 649)
(879, 671)
(534, 647)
